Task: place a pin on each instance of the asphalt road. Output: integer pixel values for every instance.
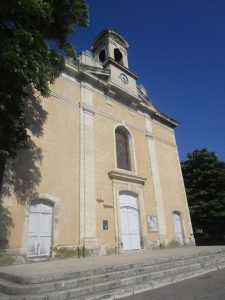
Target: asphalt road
(210, 286)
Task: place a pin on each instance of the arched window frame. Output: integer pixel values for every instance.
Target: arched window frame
(131, 152)
(117, 52)
(103, 50)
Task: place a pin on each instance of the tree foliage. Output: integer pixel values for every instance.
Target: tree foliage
(28, 63)
(204, 178)
(27, 66)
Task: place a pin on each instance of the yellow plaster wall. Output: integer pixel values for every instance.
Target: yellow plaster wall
(171, 183)
(104, 163)
(66, 87)
(59, 167)
(16, 213)
(162, 132)
(144, 170)
(117, 110)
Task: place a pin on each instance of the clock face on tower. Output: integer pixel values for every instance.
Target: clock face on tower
(123, 78)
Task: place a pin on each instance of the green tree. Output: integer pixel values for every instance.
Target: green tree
(28, 64)
(204, 178)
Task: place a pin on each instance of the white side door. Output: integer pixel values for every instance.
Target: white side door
(39, 229)
(178, 228)
(134, 229)
(125, 228)
(129, 217)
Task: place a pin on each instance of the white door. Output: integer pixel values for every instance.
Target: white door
(39, 229)
(129, 216)
(178, 228)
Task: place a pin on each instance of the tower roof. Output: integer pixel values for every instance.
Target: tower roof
(110, 33)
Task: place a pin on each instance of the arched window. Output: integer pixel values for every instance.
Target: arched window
(102, 56)
(118, 56)
(123, 149)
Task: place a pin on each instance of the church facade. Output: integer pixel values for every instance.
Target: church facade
(110, 172)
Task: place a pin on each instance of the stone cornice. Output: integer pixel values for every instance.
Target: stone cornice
(156, 114)
(110, 34)
(121, 67)
(95, 70)
(87, 109)
(107, 86)
(127, 177)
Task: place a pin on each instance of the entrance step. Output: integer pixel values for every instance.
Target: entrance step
(110, 282)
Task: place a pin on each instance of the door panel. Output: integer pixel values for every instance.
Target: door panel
(32, 246)
(33, 223)
(45, 245)
(134, 229)
(128, 200)
(129, 216)
(125, 229)
(46, 224)
(39, 229)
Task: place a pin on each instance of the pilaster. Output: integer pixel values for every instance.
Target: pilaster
(156, 181)
(187, 225)
(87, 171)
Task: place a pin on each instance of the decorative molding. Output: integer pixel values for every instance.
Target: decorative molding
(176, 211)
(140, 103)
(127, 177)
(95, 70)
(121, 67)
(165, 142)
(44, 196)
(130, 125)
(70, 78)
(88, 109)
(133, 105)
(149, 135)
(108, 92)
(162, 125)
(91, 110)
(108, 101)
(61, 97)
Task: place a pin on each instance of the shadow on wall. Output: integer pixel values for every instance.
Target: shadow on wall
(22, 174)
(5, 225)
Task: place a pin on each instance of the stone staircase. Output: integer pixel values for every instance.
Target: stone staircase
(110, 282)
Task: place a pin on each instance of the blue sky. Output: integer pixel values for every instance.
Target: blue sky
(177, 48)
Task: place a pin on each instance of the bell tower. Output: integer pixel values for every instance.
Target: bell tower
(110, 44)
(110, 49)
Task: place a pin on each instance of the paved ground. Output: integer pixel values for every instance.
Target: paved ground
(210, 286)
(90, 263)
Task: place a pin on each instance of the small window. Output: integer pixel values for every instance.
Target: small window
(118, 56)
(102, 56)
(105, 225)
(123, 149)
